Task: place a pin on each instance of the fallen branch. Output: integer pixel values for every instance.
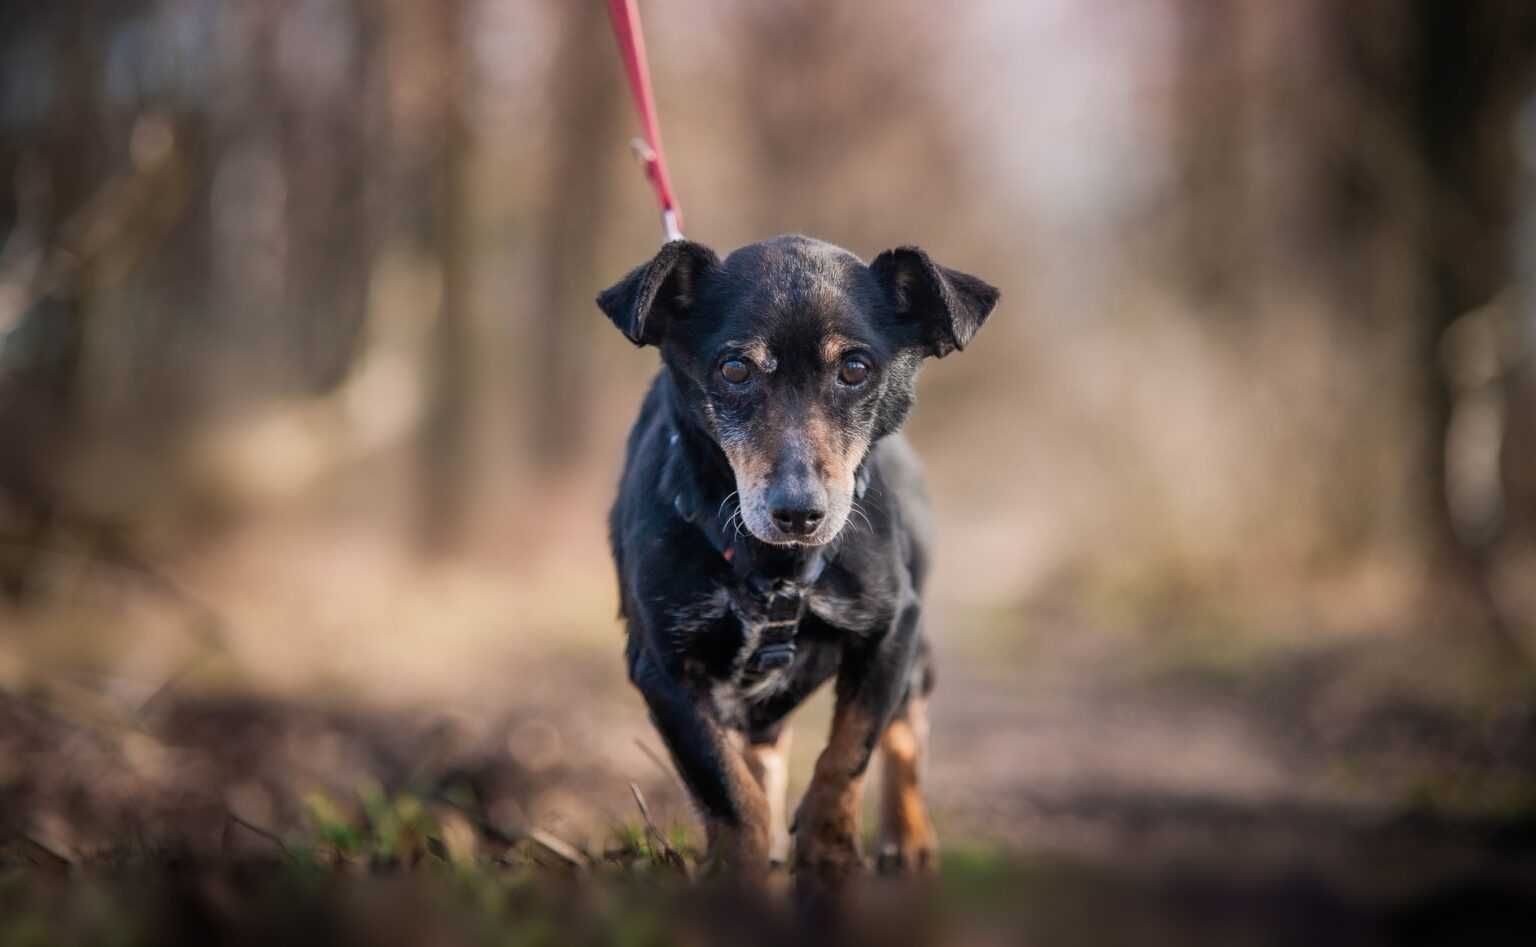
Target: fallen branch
(660, 847)
(54, 858)
(567, 852)
(255, 829)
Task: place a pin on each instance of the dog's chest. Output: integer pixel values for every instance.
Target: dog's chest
(741, 640)
(767, 617)
(748, 641)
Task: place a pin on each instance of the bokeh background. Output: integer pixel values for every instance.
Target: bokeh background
(308, 424)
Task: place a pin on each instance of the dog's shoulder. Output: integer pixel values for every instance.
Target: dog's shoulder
(897, 473)
(649, 527)
(654, 409)
(635, 502)
(645, 451)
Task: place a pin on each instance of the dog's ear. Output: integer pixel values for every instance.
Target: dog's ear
(653, 296)
(948, 305)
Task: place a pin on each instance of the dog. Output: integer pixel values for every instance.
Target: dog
(771, 533)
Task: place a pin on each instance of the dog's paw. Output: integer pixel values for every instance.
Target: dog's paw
(914, 857)
(736, 852)
(827, 845)
(828, 865)
(719, 868)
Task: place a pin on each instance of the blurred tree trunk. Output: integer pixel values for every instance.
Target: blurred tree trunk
(834, 94)
(328, 143)
(444, 449)
(51, 173)
(784, 50)
(1387, 191)
(1449, 80)
(1474, 62)
(1209, 138)
(587, 89)
(1518, 462)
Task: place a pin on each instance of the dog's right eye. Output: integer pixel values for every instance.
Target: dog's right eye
(735, 370)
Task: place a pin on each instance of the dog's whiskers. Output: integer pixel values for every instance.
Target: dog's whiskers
(856, 510)
(720, 511)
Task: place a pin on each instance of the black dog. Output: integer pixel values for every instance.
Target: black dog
(771, 531)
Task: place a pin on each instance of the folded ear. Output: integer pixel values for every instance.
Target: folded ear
(644, 303)
(948, 305)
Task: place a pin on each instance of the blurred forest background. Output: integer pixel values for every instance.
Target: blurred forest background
(308, 423)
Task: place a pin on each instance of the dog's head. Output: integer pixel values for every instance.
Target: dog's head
(796, 357)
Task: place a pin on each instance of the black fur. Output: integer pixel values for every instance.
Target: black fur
(698, 589)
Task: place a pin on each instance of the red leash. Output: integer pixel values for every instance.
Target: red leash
(626, 26)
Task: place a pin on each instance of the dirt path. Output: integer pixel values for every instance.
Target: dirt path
(344, 664)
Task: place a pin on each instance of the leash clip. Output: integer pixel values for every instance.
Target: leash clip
(651, 162)
(669, 226)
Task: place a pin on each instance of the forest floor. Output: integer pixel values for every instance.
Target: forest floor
(453, 762)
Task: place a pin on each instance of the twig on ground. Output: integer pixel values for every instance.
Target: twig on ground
(660, 847)
(569, 853)
(54, 858)
(255, 829)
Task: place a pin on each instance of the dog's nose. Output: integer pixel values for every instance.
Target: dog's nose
(796, 500)
(797, 521)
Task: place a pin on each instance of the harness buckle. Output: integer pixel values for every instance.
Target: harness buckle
(783, 603)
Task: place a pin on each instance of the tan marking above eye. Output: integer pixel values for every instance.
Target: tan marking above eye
(758, 352)
(833, 347)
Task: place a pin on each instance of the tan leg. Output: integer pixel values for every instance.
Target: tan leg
(907, 840)
(738, 847)
(827, 822)
(735, 849)
(769, 763)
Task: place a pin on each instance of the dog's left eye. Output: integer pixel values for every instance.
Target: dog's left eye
(735, 370)
(854, 371)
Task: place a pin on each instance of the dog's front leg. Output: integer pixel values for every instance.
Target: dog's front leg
(870, 684)
(734, 808)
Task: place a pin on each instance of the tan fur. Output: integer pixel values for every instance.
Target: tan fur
(757, 351)
(827, 824)
(737, 850)
(836, 460)
(833, 346)
(740, 847)
(752, 469)
(907, 840)
(769, 763)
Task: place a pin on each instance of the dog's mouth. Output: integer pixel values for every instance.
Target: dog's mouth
(791, 497)
(796, 528)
